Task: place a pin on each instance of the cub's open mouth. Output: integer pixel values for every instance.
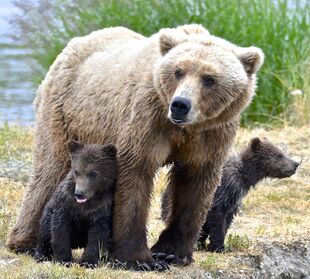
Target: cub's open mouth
(81, 200)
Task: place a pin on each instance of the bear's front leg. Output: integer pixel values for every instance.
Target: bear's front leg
(61, 236)
(192, 193)
(132, 201)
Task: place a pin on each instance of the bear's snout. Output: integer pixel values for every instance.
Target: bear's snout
(179, 108)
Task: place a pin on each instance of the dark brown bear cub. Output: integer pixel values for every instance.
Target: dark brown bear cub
(79, 214)
(259, 160)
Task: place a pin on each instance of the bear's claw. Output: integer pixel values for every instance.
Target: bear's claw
(172, 259)
(156, 265)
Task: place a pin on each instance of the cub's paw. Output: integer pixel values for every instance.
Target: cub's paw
(201, 246)
(214, 249)
(64, 262)
(40, 257)
(89, 262)
(172, 259)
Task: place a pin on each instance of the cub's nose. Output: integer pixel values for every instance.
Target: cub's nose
(296, 165)
(79, 194)
(180, 106)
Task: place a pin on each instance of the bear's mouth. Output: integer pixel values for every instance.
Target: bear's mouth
(81, 200)
(177, 121)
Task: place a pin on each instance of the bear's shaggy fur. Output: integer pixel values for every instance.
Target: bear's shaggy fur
(175, 96)
(79, 214)
(259, 160)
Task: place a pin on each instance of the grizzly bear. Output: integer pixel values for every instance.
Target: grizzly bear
(259, 160)
(79, 214)
(176, 96)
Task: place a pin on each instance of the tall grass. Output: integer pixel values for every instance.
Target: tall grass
(280, 27)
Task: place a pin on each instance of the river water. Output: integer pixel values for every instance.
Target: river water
(16, 92)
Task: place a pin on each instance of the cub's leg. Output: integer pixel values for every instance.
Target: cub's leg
(217, 234)
(44, 248)
(61, 236)
(99, 235)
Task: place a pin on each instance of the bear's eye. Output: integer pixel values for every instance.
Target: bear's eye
(76, 173)
(178, 74)
(208, 81)
(92, 174)
(280, 156)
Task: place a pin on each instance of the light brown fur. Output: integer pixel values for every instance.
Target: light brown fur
(115, 86)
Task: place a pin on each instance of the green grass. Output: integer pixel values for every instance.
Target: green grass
(281, 28)
(15, 143)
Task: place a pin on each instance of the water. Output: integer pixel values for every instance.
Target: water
(16, 92)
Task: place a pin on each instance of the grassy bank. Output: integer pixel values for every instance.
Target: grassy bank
(281, 28)
(276, 211)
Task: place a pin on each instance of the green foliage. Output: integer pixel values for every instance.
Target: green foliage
(208, 261)
(281, 28)
(236, 242)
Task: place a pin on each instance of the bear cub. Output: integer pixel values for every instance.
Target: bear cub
(259, 160)
(79, 214)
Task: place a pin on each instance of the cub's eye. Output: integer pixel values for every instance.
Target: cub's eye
(178, 74)
(92, 174)
(280, 156)
(76, 173)
(208, 81)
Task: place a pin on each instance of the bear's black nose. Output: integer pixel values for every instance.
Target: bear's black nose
(79, 194)
(180, 106)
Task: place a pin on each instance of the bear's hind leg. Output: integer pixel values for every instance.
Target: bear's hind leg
(48, 171)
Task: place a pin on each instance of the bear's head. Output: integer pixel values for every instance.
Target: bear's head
(94, 167)
(269, 159)
(202, 78)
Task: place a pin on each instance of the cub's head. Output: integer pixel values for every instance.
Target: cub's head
(202, 78)
(269, 159)
(94, 167)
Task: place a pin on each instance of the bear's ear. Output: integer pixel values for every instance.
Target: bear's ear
(169, 38)
(166, 43)
(252, 59)
(255, 144)
(74, 146)
(110, 150)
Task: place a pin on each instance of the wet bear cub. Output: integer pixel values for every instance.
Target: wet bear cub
(259, 160)
(79, 214)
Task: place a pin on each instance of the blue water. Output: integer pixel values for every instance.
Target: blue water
(16, 92)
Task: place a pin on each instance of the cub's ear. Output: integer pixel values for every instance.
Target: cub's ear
(74, 146)
(110, 150)
(252, 59)
(255, 144)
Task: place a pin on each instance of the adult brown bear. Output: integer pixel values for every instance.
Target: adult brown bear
(174, 97)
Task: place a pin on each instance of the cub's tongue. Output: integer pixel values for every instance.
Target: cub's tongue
(81, 200)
